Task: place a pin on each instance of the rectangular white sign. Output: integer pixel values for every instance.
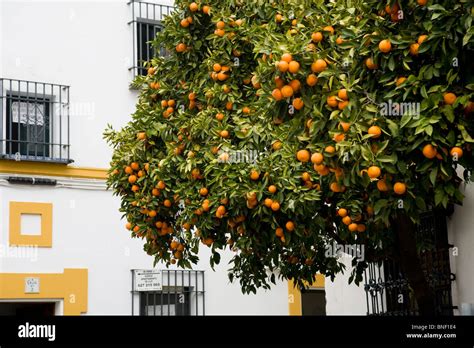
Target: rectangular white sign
(148, 280)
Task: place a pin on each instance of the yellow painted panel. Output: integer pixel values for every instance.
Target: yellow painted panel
(71, 286)
(294, 294)
(45, 239)
(51, 169)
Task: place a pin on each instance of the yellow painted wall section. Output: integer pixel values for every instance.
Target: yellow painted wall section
(71, 286)
(45, 239)
(294, 295)
(51, 169)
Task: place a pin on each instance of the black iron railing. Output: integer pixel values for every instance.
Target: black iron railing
(146, 23)
(182, 294)
(387, 289)
(34, 121)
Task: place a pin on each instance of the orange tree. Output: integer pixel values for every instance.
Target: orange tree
(277, 128)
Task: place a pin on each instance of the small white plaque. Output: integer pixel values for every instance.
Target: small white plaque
(148, 280)
(32, 285)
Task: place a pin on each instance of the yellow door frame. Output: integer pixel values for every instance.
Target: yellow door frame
(71, 286)
(294, 294)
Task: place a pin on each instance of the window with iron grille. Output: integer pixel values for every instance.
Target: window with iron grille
(182, 294)
(387, 289)
(34, 121)
(146, 23)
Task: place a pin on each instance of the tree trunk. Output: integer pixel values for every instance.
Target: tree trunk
(411, 265)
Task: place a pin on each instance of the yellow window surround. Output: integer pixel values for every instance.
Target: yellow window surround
(70, 286)
(294, 294)
(45, 210)
(51, 169)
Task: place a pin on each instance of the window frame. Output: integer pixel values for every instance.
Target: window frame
(22, 97)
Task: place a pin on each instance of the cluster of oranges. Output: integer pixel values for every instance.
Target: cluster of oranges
(169, 107)
(341, 100)
(220, 72)
(273, 204)
(280, 232)
(353, 224)
(134, 172)
(430, 152)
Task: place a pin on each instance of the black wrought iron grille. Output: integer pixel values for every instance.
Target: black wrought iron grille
(146, 23)
(387, 289)
(34, 121)
(183, 294)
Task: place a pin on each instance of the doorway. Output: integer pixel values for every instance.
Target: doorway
(313, 301)
(21, 309)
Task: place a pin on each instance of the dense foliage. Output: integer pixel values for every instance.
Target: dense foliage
(275, 128)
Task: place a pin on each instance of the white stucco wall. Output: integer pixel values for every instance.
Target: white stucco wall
(461, 235)
(343, 298)
(88, 46)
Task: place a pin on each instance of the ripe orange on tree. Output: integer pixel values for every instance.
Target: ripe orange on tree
(342, 94)
(330, 149)
(254, 175)
(456, 152)
(342, 212)
(317, 158)
(374, 172)
(305, 176)
(332, 101)
(345, 126)
(303, 156)
(317, 37)
(319, 65)
(414, 47)
(429, 151)
(338, 137)
(400, 80)
(193, 7)
(346, 220)
(399, 188)
(287, 57)
(275, 206)
(382, 185)
(385, 46)
(272, 189)
(298, 103)
(277, 95)
(181, 47)
(290, 226)
(268, 202)
(311, 80)
(293, 67)
(287, 91)
(132, 179)
(422, 38)
(370, 64)
(295, 84)
(352, 227)
(449, 98)
(283, 66)
(375, 131)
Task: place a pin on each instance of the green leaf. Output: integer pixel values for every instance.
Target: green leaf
(379, 205)
(433, 174)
